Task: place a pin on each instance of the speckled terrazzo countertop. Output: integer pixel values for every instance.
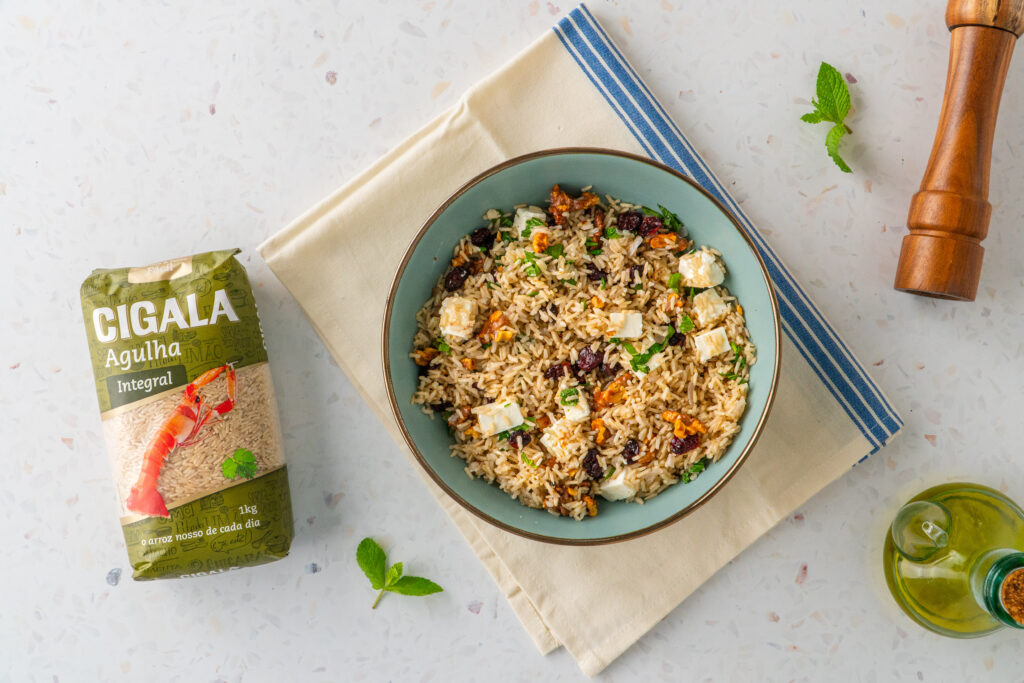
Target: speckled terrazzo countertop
(128, 135)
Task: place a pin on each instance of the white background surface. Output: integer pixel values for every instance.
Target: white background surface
(128, 135)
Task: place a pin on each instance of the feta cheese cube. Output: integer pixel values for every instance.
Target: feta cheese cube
(711, 343)
(580, 411)
(626, 325)
(700, 269)
(709, 307)
(617, 488)
(497, 417)
(458, 317)
(524, 215)
(557, 437)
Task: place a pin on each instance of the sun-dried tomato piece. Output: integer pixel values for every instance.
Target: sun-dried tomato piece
(422, 357)
(495, 321)
(559, 203)
(663, 239)
(614, 393)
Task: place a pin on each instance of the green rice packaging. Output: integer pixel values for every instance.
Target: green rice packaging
(189, 416)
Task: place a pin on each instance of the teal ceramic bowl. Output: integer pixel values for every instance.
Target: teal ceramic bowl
(528, 179)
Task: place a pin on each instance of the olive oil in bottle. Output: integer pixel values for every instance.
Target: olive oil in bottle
(954, 560)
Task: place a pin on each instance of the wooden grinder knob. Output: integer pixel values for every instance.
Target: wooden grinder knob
(949, 216)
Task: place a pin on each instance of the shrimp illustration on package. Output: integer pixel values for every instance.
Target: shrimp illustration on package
(189, 415)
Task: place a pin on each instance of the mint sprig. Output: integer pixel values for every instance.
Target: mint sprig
(832, 105)
(373, 561)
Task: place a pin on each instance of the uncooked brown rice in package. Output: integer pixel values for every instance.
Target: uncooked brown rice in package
(189, 415)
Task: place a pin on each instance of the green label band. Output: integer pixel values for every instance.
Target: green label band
(241, 526)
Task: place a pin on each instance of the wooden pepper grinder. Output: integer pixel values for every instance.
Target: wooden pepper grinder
(949, 216)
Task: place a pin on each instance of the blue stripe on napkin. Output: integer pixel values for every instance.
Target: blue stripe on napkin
(813, 337)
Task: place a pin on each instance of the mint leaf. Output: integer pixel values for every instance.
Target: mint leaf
(372, 560)
(555, 250)
(414, 585)
(832, 104)
(393, 575)
(833, 95)
(832, 145)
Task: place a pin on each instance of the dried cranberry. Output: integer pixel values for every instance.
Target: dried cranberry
(636, 273)
(597, 274)
(440, 407)
(556, 370)
(679, 446)
(482, 237)
(649, 225)
(588, 360)
(553, 309)
(592, 466)
(676, 339)
(631, 450)
(519, 439)
(629, 221)
(456, 278)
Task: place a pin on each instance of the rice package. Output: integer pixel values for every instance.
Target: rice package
(189, 416)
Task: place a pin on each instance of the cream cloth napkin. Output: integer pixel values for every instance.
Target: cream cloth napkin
(552, 588)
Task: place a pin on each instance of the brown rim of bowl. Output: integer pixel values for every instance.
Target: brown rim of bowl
(385, 338)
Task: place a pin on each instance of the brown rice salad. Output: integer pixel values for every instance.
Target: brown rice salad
(587, 349)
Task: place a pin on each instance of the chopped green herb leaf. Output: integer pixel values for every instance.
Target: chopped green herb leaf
(638, 287)
(506, 222)
(507, 236)
(604, 283)
(610, 233)
(569, 397)
(534, 293)
(596, 252)
(673, 281)
(590, 242)
(529, 462)
(639, 361)
(611, 471)
(570, 281)
(555, 250)
(492, 285)
(442, 346)
(685, 324)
